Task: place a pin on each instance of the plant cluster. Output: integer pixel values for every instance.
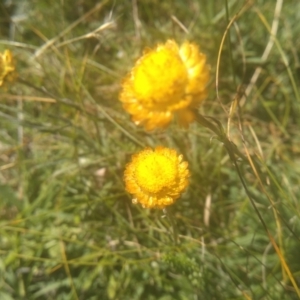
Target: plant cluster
(201, 134)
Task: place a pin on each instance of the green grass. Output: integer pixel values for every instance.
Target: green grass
(68, 230)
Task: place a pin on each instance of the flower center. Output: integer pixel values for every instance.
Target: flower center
(155, 173)
(160, 79)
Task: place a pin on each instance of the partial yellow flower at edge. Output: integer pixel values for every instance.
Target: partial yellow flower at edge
(156, 178)
(165, 81)
(6, 65)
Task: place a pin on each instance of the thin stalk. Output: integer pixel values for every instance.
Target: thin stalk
(229, 44)
(170, 216)
(233, 152)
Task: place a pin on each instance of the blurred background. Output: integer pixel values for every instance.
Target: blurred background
(68, 229)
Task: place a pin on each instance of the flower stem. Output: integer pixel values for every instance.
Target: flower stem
(169, 214)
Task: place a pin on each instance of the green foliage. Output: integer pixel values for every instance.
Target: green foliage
(68, 230)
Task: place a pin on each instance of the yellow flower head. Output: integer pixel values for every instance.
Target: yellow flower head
(166, 80)
(6, 65)
(156, 178)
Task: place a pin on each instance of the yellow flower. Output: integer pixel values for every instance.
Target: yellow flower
(6, 65)
(156, 178)
(166, 80)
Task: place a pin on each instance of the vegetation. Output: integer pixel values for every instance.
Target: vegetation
(69, 230)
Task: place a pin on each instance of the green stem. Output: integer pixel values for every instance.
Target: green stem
(229, 43)
(233, 153)
(219, 131)
(170, 216)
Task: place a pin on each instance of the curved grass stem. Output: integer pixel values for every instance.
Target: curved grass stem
(233, 153)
